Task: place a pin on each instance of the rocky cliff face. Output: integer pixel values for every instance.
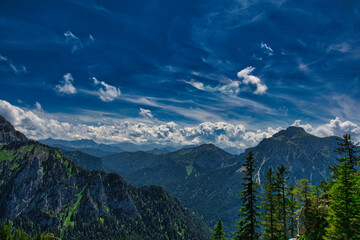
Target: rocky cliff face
(38, 185)
(8, 132)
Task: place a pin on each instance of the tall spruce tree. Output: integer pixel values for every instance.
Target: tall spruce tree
(219, 231)
(344, 195)
(344, 205)
(269, 206)
(248, 225)
(303, 192)
(292, 211)
(348, 150)
(281, 182)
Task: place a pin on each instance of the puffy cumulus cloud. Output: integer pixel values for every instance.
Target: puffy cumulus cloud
(75, 42)
(10, 65)
(107, 93)
(268, 49)
(66, 85)
(249, 79)
(40, 125)
(145, 113)
(335, 127)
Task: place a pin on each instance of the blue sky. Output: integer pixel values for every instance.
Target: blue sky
(179, 72)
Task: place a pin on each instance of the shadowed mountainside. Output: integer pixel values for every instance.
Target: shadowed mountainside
(39, 185)
(207, 179)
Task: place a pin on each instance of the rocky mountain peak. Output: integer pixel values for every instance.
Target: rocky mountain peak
(291, 132)
(8, 132)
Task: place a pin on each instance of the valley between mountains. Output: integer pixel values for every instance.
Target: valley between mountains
(207, 179)
(142, 195)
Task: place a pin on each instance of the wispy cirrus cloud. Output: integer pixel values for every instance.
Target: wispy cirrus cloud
(268, 50)
(107, 93)
(146, 113)
(76, 42)
(17, 69)
(66, 85)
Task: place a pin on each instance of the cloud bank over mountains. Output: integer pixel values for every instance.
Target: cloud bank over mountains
(37, 124)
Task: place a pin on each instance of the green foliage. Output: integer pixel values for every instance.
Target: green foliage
(269, 206)
(74, 207)
(249, 217)
(293, 206)
(281, 198)
(219, 231)
(303, 192)
(348, 149)
(344, 194)
(344, 206)
(8, 232)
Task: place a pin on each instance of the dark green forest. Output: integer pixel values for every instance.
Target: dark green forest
(9, 232)
(275, 210)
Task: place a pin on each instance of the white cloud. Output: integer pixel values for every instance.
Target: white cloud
(245, 74)
(268, 49)
(145, 113)
(107, 93)
(40, 125)
(73, 40)
(232, 87)
(76, 42)
(38, 106)
(16, 69)
(335, 127)
(66, 85)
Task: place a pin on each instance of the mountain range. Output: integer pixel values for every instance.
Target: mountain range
(207, 179)
(99, 150)
(39, 186)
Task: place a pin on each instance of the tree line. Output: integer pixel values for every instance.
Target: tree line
(9, 232)
(329, 211)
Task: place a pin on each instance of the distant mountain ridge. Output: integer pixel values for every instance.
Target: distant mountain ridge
(40, 185)
(207, 179)
(100, 150)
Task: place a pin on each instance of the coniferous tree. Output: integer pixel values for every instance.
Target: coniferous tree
(269, 205)
(344, 195)
(219, 231)
(282, 189)
(249, 217)
(292, 211)
(6, 231)
(348, 149)
(303, 192)
(344, 205)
